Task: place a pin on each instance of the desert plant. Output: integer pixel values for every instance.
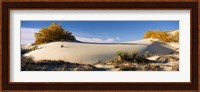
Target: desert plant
(54, 32)
(119, 59)
(26, 59)
(146, 54)
(162, 35)
(26, 50)
(61, 46)
(28, 64)
(151, 34)
(128, 68)
(133, 57)
(23, 51)
(175, 38)
(141, 59)
(123, 55)
(34, 47)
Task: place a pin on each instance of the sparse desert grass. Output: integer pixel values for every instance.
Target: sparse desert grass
(135, 62)
(131, 57)
(122, 56)
(128, 68)
(28, 64)
(23, 51)
(130, 62)
(139, 67)
(32, 48)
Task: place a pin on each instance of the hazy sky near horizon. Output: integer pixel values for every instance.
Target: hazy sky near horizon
(99, 31)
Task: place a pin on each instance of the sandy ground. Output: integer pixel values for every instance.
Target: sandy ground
(90, 53)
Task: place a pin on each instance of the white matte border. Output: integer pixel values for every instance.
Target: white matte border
(183, 75)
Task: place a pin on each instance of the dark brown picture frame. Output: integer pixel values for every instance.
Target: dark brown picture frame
(7, 6)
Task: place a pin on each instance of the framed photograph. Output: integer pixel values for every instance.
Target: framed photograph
(100, 45)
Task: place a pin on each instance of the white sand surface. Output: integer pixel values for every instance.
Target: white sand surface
(90, 53)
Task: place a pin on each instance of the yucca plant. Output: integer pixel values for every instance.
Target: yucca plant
(123, 55)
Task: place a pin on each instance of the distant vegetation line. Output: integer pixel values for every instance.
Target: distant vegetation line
(55, 32)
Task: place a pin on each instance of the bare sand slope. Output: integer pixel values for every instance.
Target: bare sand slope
(90, 53)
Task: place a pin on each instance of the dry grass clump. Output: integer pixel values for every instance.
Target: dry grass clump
(28, 64)
(131, 57)
(175, 37)
(162, 35)
(23, 51)
(134, 62)
(34, 47)
(128, 68)
(143, 67)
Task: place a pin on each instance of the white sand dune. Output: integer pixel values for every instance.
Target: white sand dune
(90, 53)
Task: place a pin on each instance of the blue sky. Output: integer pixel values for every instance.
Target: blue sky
(99, 31)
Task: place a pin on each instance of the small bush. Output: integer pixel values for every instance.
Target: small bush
(119, 59)
(162, 36)
(61, 46)
(146, 54)
(133, 57)
(128, 68)
(175, 38)
(26, 59)
(123, 55)
(34, 47)
(23, 51)
(141, 60)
